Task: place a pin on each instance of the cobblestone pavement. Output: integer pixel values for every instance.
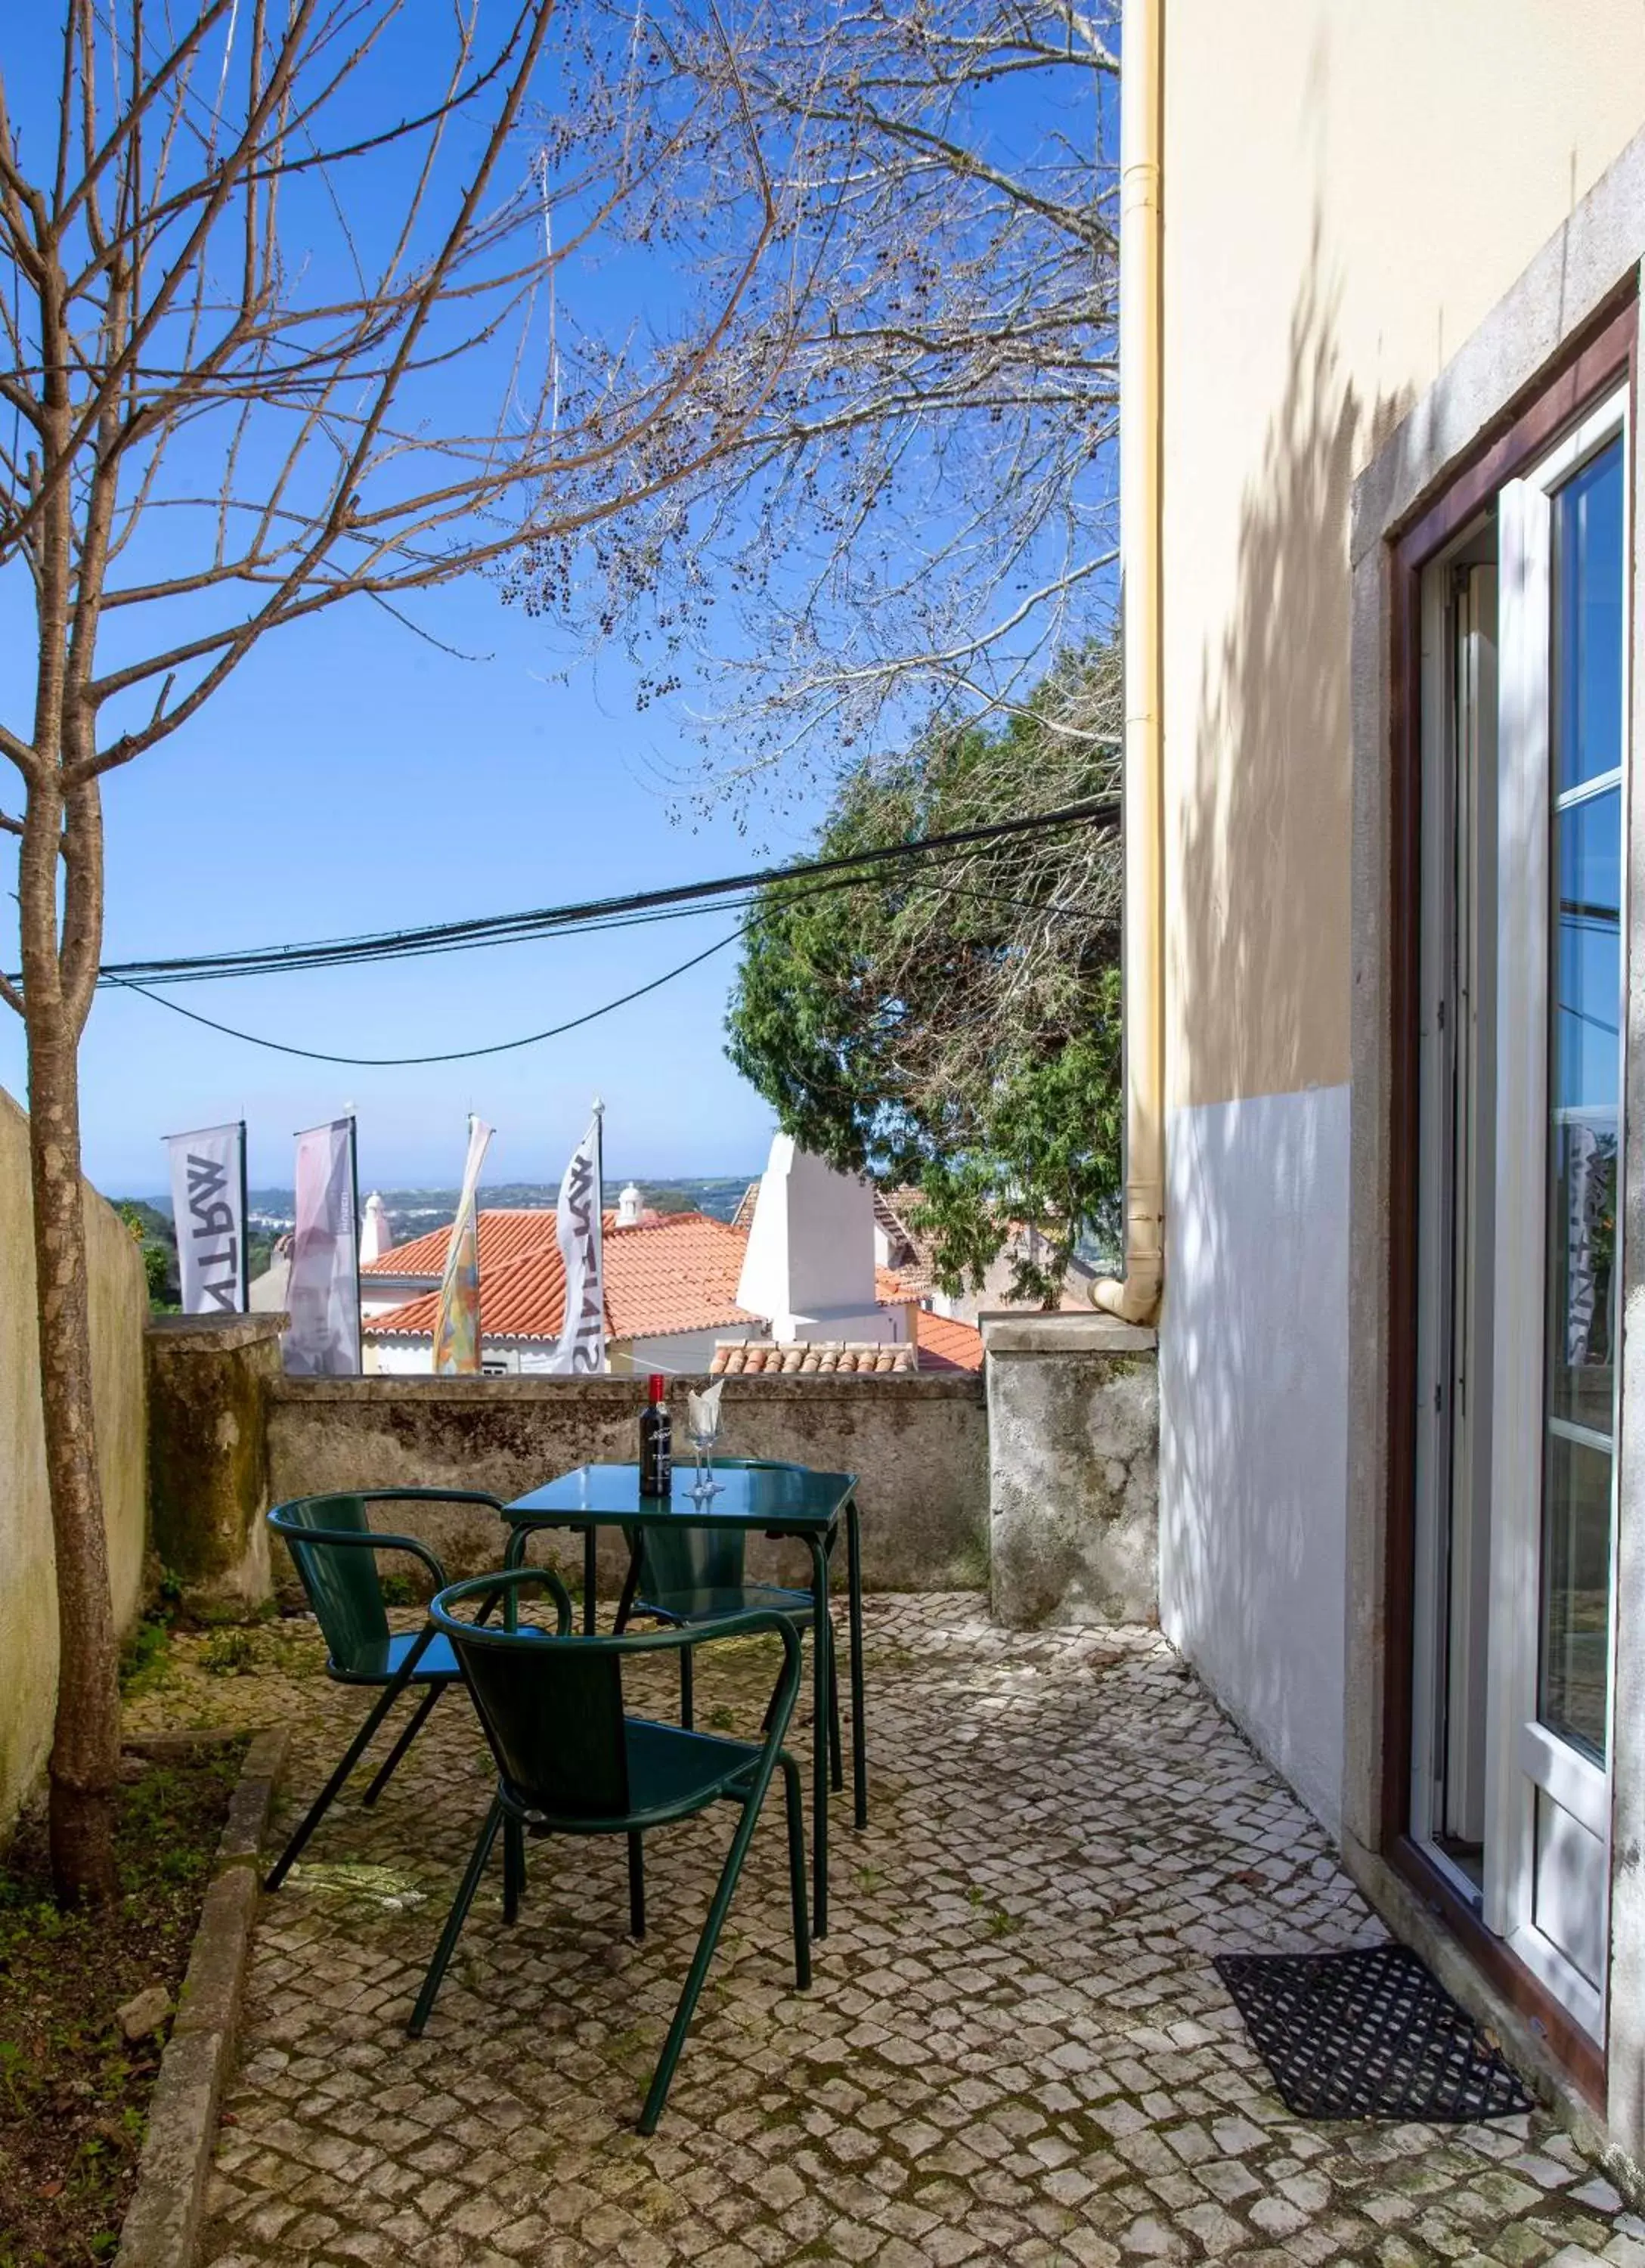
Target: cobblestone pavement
(1016, 2047)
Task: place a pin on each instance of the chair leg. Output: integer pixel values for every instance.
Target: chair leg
(419, 1718)
(794, 1800)
(663, 2076)
(688, 1714)
(637, 1886)
(630, 1585)
(836, 1759)
(513, 1867)
(859, 1752)
(328, 1795)
(455, 1918)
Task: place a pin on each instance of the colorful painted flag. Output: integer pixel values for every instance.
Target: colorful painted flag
(457, 1325)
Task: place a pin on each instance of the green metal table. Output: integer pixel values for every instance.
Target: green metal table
(775, 1501)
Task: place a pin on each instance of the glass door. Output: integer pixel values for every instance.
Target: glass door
(1525, 699)
(1563, 976)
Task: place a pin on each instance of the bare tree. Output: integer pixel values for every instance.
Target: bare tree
(281, 296)
(922, 515)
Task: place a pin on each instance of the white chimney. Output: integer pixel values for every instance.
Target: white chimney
(629, 1208)
(376, 1236)
(809, 1269)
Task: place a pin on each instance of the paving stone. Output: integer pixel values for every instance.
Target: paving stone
(1016, 2047)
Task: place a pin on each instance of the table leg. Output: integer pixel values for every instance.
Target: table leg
(589, 1540)
(515, 1555)
(859, 1752)
(819, 1737)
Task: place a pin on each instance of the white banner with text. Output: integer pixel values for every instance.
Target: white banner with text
(582, 1342)
(208, 1212)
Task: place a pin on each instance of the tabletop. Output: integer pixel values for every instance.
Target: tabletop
(791, 1498)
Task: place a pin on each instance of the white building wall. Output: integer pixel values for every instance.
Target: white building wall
(810, 1258)
(1253, 1436)
(687, 1352)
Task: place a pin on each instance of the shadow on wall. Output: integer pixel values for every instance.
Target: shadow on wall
(1254, 1352)
(1259, 935)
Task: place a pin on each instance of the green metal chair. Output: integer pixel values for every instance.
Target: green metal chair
(572, 1761)
(334, 1549)
(689, 1578)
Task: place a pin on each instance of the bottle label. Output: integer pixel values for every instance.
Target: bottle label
(656, 1460)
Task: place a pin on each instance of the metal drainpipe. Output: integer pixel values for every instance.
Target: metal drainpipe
(1137, 1298)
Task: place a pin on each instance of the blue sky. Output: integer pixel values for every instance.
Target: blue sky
(351, 776)
(355, 778)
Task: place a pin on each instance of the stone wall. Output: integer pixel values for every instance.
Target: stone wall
(918, 1445)
(1074, 1423)
(209, 1378)
(28, 1595)
(233, 1435)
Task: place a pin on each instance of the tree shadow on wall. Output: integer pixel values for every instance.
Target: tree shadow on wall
(1255, 1350)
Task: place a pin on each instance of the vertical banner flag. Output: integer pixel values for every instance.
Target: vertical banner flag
(323, 1293)
(582, 1344)
(457, 1325)
(208, 1210)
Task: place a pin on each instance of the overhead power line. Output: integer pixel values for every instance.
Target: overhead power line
(591, 914)
(817, 875)
(454, 1055)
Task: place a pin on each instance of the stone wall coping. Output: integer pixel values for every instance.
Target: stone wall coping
(214, 1332)
(162, 2225)
(1066, 1333)
(630, 1391)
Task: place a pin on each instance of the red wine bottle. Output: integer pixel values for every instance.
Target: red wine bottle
(656, 1442)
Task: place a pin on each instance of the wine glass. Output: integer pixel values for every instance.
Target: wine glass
(701, 1426)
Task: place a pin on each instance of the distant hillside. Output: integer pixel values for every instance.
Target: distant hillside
(159, 1248)
(413, 1213)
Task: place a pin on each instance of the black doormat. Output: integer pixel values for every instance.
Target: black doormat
(1368, 2034)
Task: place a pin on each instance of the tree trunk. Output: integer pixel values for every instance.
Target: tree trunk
(86, 1745)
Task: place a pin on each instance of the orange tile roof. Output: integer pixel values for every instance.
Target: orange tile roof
(506, 1232)
(945, 1344)
(940, 1345)
(680, 1276)
(676, 1273)
(811, 1358)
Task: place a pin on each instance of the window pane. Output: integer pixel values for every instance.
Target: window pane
(1576, 1594)
(1584, 1069)
(1588, 581)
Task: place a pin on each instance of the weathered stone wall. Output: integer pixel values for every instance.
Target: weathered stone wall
(1074, 1426)
(29, 1594)
(210, 1377)
(918, 1445)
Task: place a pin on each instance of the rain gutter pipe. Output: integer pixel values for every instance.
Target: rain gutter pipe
(1137, 1298)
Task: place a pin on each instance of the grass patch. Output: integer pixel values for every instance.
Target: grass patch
(73, 2094)
(145, 1657)
(229, 1653)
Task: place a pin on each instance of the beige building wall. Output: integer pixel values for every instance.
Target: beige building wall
(28, 1591)
(1349, 186)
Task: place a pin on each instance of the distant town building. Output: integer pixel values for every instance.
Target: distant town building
(799, 1272)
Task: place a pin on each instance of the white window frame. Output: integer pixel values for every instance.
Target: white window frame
(1517, 1745)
